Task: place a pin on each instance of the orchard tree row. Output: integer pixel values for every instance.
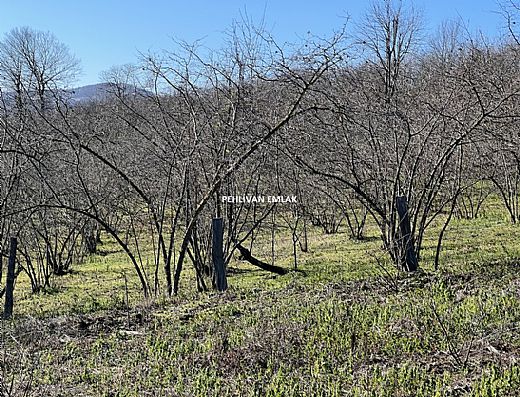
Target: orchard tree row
(350, 124)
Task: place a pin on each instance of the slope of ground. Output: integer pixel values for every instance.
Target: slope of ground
(342, 328)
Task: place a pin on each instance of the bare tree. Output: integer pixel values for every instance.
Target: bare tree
(391, 124)
(35, 64)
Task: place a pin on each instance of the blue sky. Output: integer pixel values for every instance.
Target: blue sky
(103, 33)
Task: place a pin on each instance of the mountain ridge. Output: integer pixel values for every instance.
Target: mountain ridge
(98, 91)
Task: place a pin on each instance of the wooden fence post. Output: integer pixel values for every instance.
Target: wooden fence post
(406, 241)
(217, 250)
(9, 286)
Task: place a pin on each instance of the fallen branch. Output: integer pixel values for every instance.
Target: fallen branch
(246, 255)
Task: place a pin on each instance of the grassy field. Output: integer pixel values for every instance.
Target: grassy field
(339, 328)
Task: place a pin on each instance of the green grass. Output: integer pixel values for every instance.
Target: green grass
(338, 329)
